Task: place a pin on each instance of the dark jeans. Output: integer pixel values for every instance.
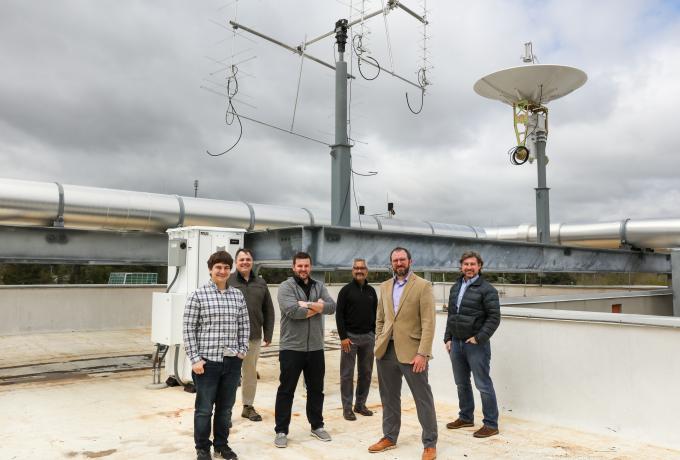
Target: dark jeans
(313, 366)
(468, 358)
(360, 352)
(216, 386)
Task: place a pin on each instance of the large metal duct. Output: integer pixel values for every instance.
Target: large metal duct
(108, 209)
(658, 234)
(28, 203)
(45, 204)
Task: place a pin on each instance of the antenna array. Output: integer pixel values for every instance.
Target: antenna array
(340, 150)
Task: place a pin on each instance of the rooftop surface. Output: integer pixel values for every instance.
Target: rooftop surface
(56, 408)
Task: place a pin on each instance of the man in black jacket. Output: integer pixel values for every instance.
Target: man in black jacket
(474, 315)
(355, 318)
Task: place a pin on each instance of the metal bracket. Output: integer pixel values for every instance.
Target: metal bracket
(336, 247)
(59, 221)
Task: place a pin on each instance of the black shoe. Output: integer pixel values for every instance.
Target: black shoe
(225, 452)
(363, 410)
(348, 414)
(202, 454)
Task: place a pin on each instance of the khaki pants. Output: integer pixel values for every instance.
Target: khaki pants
(249, 372)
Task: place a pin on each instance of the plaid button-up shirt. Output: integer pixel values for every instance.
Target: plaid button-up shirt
(215, 323)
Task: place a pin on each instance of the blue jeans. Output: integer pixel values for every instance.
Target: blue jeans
(215, 387)
(468, 358)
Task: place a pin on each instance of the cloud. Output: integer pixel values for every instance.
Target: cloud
(109, 94)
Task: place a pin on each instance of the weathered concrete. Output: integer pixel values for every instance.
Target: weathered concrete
(113, 416)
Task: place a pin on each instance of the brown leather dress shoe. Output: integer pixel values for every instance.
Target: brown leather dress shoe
(381, 446)
(458, 423)
(429, 453)
(485, 432)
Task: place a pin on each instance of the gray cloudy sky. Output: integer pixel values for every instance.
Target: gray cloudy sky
(108, 93)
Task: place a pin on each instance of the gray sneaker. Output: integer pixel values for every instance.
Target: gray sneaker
(321, 434)
(281, 440)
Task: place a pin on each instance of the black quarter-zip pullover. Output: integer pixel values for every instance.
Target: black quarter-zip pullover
(357, 305)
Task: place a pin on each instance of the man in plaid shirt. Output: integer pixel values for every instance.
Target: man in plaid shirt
(216, 328)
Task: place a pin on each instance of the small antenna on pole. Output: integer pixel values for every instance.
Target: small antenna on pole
(529, 57)
(195, 188)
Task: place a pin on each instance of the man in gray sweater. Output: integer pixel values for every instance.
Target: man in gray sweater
(303, 302)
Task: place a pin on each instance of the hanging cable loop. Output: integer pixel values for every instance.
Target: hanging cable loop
(231, 113)
(422, 101)
(359, 50)
(423, 82)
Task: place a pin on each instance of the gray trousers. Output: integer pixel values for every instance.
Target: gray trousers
(390, 372)
(361, 353)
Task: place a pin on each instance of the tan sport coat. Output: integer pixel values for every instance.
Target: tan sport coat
(412, 328)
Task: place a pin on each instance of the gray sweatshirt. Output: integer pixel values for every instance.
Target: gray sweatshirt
(299, 333)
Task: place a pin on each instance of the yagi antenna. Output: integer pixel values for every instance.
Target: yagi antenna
(341, 173)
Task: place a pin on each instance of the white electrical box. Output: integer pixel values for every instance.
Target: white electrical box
(188, 251)
(201, 243)
(167, 311)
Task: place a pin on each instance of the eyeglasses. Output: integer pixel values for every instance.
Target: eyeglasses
(359, 268)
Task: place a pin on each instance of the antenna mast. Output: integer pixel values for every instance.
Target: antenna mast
(341, 157)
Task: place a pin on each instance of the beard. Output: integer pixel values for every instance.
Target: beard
(401, 271)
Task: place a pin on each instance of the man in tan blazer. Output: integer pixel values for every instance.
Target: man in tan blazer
(404, 332)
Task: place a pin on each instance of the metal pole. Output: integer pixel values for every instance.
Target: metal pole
(542, 191)
(341, 169)
(675, 280)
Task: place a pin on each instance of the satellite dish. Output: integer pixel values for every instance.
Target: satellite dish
(537, 84)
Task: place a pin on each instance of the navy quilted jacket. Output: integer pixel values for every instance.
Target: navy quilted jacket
(479, 314)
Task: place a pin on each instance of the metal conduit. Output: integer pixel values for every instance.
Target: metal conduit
(31, 203)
